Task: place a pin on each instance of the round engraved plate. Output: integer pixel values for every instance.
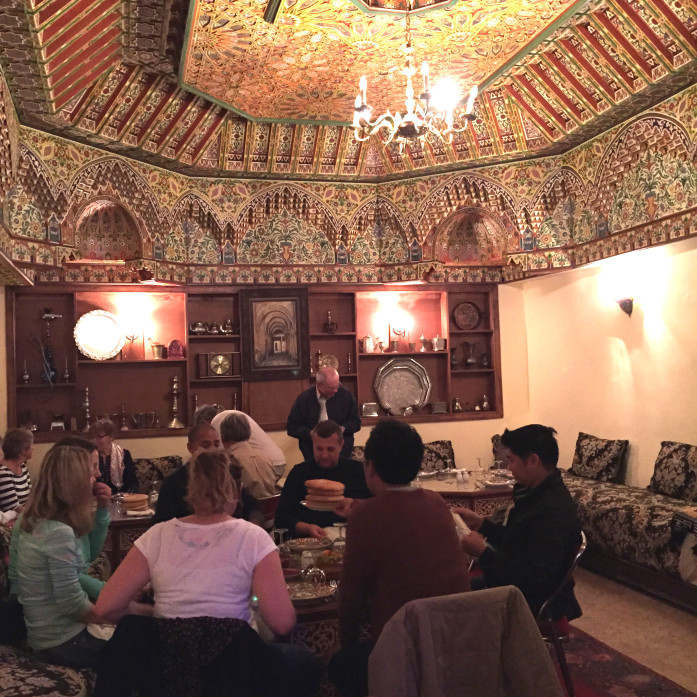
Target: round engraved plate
(466, 316)
(402, 386)
(98, 335)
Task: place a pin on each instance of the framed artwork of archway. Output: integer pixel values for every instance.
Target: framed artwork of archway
(274, 324)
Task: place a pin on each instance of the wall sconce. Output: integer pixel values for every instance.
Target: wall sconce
(626, 305)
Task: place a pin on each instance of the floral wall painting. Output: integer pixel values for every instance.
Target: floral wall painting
(285, 239)
(276, 319)
(106, 231)
(21, 215)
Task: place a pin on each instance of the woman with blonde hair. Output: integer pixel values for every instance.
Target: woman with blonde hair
(202, 568)
(46, 560)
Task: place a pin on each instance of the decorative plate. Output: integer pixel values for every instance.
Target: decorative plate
(402, 385)
(301, 544)
(466, 316)
(98, 335)
(308, 593)
(329, 360)
(498, 484)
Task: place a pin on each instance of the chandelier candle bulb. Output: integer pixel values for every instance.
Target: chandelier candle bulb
(363, 84)
(424, 73)
(470, 100)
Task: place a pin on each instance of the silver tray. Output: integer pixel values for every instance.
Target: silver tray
(402, 386)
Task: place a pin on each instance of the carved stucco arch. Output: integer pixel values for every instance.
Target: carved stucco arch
(303, 204)
(665, 130)
(117, 180)
(363, 218)
(490, 234)
(190, 198)
(466, 191)
(36, 179)
(91, 208)
(570, 181)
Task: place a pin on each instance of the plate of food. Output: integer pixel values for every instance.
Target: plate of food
(499, 483)
(302, 544)
(303, 593)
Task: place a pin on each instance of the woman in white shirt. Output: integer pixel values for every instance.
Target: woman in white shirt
(206, 564)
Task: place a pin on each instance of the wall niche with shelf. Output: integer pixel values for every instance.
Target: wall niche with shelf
(450, 333)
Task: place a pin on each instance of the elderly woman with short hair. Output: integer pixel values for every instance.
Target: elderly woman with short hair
(115, 463)
(15, 483)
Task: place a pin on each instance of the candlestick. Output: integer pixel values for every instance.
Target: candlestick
(66, 372)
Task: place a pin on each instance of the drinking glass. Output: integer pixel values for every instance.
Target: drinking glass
(314, 575)
(340, 542)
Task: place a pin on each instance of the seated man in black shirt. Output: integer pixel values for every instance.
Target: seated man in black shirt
(534, 548)
(326, 463)
(172, 502)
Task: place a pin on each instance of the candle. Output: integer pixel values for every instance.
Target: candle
(424, 74)
(363, 83)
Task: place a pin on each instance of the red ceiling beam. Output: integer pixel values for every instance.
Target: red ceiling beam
(604, 21)
(573, 80)
(543, 76)
(526, 81)
(674, 20)
(515, 94)
(588, 67)
(595, 43)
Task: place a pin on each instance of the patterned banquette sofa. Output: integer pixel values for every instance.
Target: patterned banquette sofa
(438, 456)
(20, 674)
(629, 528)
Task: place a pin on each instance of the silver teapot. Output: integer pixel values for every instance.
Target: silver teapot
(198, 328)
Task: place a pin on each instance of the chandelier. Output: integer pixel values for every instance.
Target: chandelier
(425, 117)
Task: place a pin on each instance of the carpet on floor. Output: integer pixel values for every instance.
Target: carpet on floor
(597, 670)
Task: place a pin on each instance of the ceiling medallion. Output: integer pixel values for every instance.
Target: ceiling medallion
(440, 114)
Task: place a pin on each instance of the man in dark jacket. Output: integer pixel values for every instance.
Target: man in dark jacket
(325, 463)
(326, 400)
(534, 547)
(172, 502)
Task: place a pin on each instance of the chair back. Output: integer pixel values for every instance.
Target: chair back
(544, 615)
(480, 643)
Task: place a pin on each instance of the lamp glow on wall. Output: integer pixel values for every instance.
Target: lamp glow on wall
(135, 312)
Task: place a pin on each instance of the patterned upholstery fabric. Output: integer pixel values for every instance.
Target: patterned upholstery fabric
(598, 458)
(438, 455)
(24, 675)
(675, 471)
(149, 469)
(629, 522)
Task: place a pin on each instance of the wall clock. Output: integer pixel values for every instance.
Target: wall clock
(214, 365)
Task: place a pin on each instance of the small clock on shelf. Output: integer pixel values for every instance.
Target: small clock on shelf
(215, 365)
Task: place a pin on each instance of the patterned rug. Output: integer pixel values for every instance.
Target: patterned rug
(599, 671)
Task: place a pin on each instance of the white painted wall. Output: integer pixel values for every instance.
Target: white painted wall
(591, 368)
(570, 359)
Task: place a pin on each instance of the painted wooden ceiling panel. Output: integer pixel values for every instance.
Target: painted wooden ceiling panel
(125, 75)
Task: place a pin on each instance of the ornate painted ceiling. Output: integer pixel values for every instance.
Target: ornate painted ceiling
(208, 87)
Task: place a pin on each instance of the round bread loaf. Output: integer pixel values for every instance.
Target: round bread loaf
(324, 486)
(322, 498)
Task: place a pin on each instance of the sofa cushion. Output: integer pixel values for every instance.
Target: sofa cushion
(598, 458)
(675, 471)
(629, 522)
(24, 675)
(148, 469)
(438, 455)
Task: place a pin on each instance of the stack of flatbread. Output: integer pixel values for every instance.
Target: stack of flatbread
(324, 492)
(135, 502)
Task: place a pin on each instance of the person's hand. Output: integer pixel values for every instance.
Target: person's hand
(473, 520)
(344, 508)
(101, 492)
(473, 544)
(140, 609)
(309, 530)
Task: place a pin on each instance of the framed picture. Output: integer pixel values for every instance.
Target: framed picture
(275, 338)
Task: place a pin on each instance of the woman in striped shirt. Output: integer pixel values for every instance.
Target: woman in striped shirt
(17, 448)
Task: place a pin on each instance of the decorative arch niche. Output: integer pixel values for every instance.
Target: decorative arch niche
(470, 236)
(106, 231)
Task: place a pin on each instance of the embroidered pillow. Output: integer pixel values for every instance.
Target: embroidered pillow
(598, 458)
(438, 455)
(675, 471)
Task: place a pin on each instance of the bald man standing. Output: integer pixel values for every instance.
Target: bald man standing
(326, 400)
